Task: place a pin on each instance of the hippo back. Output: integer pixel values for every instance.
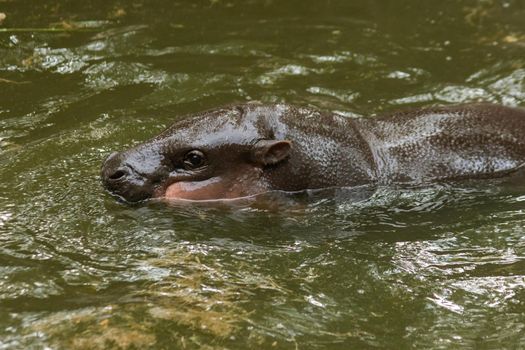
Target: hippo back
(446, 143)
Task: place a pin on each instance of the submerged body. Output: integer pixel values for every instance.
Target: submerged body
(248, 149)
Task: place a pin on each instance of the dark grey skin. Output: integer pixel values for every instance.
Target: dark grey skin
(244, 150)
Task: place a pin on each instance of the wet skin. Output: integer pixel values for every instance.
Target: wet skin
(248, 149)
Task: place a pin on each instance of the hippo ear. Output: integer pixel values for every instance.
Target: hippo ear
(268, 152)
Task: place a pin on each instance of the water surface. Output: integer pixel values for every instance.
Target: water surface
(436, 267)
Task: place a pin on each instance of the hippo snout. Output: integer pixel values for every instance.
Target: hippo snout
(121, 179)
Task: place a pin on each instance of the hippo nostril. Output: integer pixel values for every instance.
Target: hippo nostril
(119, 174)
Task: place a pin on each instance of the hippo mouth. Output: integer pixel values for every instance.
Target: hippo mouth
(204, 190)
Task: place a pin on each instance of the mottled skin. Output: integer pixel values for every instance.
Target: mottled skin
(254, 148)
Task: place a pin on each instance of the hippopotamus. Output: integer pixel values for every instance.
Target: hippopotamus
(248, 149)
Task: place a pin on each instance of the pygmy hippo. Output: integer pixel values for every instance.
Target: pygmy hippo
(247, 149)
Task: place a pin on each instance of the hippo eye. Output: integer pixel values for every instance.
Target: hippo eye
(194, 159)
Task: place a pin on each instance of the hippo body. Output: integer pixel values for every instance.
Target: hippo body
(252, 148)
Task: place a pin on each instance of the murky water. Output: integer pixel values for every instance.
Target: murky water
(437, 267)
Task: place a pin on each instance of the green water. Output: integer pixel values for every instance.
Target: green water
(440, 267)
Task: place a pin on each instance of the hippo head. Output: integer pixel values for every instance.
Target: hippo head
(219, 154)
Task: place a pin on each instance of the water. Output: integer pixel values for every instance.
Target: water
(436, 267)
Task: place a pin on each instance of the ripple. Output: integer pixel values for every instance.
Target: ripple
(343, 96)
(345, 56)
(106, 75)
(450, 94)
(511, 88)
(287, 70)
